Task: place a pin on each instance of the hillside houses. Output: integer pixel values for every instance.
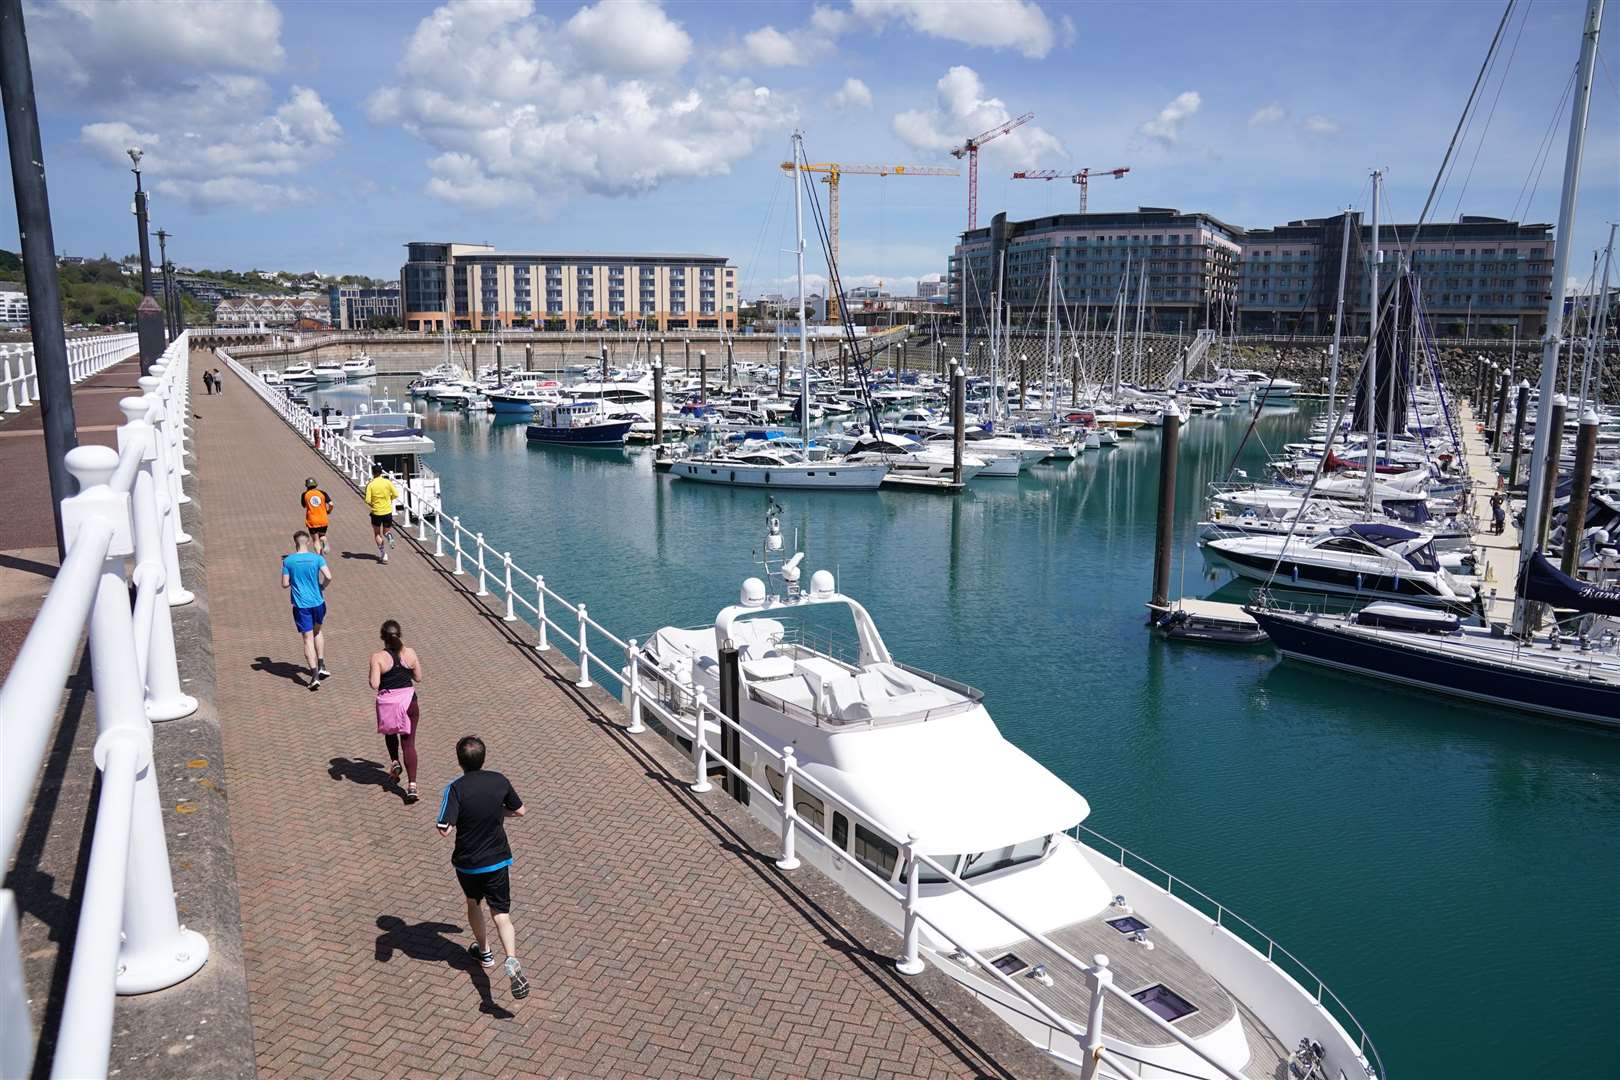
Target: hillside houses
(271, 311)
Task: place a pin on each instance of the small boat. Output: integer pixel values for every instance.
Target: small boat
(520, 399)
(1208, 621)
(359, 366)
(299, 374)
(768, 466)
(330, 371)
(915, 464)
(270, 377)
(577, 423)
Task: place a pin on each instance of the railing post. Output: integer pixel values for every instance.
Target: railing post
(23, 400)
(633, 654)
(911, 961)
(482, 588)
(700, 746)
(174, 411)
(540, 645)
(511, 615)
(438, 536)
(455, 533)
(11, 389)
(164, 698)
(584, 682)
(789, 859)
(421, 515)
(1099, 979)
(157, 951)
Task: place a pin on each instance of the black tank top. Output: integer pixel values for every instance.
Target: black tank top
(397, 677)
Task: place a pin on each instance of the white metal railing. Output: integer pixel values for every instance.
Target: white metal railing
(129, 938)
(19, 370)
(648, 690)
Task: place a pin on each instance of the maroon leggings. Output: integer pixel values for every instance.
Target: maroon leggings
(405, 745)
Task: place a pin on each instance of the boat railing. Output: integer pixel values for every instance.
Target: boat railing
(682, 709)
(121, 532)
(1245, 931)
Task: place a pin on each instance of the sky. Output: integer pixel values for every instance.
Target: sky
(325, 135)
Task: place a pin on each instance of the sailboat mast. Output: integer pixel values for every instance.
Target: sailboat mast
(1141, 309)
(1555, 299)
(1594, 337)
(1373, 255)
(1338, 320)
(804, 329)
(1119, 327)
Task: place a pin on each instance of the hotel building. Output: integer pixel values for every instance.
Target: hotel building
(475, 287)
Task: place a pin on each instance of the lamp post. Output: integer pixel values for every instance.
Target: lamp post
(148, 316)
(169, 320)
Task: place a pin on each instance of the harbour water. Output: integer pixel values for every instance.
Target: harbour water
(1452, 872)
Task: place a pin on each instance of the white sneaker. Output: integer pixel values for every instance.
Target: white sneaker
(385, 558)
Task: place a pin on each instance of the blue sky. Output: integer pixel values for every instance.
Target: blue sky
(324, 136)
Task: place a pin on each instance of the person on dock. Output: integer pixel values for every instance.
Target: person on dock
(306, 575)
(476, 805)
(317, 513)
(395, 673)
(380, 495)
(1498, 514)
(219, 387)
(208, 381)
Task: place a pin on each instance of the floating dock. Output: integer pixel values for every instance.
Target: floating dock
(1497, 557)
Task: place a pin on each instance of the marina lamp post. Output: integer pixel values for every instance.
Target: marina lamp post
(148, 316)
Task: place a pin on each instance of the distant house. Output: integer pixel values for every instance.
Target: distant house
(270, 311)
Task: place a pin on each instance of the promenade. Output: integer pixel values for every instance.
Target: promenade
(657, 938)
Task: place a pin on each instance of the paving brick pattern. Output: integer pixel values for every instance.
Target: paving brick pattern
(654, 946)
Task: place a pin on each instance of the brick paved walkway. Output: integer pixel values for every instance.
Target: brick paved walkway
(655, 946)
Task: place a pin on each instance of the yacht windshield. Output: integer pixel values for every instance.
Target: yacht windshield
(988, 862)
(1424, 558)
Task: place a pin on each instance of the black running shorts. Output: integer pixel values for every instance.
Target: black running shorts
(382, 519)
(494, 887)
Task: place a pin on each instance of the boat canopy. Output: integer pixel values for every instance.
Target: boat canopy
(1543, 582)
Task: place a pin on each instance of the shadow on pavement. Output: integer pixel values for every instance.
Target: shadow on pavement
(430, 941)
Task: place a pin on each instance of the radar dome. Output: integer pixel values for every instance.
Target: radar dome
(753, 592)
(821, 583)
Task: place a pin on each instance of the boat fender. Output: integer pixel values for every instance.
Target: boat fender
(1295, 573)
(1358, 581)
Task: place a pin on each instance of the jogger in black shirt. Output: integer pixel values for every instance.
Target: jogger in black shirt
(476, 805)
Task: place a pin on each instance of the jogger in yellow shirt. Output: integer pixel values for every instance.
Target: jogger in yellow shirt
(380, 495)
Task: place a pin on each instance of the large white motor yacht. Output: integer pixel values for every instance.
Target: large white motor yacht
(1020, 902)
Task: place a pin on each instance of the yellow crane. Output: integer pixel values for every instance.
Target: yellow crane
(831, 172)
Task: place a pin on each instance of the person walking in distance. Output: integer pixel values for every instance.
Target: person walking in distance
(219, 387)
(380, 495)
(476, 805)
(1498, 514)
(317, 513)
(395, 673)
(306, 575)
(208, 381)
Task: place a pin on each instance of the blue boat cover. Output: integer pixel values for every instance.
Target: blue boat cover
(1543, 582)
(1382, 535)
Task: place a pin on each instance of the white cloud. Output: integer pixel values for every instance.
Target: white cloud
(1165, 128)
(772, 48)
(186, 81)
(631, 36)
(1317, 124)
(995, 24)
(854, 94)
(962, 111)
(518, 113)
(830, 21)
(1267, 114)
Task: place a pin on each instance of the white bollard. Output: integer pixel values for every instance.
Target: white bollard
(511, 615)
(541, 644)
(164, 698)
(482, 591)
(910, 962)
(584, 654)
(455, 533)
(634, 654)
(789, 859)
(700, 747)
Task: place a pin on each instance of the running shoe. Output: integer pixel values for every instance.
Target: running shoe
(321, 670)
(520, 985)
(315, 683)
(482, 955)
(390, 538)
(385, 558)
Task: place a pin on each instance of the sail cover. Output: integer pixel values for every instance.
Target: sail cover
(1394, 364)
(1545, 583)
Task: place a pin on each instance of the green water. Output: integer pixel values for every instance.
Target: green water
(1452, 872)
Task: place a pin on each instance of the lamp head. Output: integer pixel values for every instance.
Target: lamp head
(135, 154)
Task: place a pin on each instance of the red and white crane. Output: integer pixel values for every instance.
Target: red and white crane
(1083, 178)
(970, 150)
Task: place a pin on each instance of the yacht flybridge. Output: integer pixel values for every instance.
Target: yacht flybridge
(896, 771)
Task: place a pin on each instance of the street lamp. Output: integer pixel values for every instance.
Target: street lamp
(148, 316)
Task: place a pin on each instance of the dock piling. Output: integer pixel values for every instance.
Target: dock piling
(703, 374)
(958, 420)
(1165, 532)
(500, 370)
(658, 400)
(1521, 406)
(1501, 411)
(1580, 491)
(1549, 478)
(528, 357)
(781, 370)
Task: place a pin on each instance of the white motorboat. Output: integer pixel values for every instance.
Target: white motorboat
(997, 462)
(1365, 561)
(904, 787)
(298, 374)
(359, 366)
(270, 377)
(910, 461)
(330, 371)
(768, 466)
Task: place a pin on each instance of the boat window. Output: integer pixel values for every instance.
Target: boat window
(988, 862)
(1349, 544)
(1168, 1004)
(805, 805)
(1424, 558)
(840, 833)
(928, 875)
(875, 853)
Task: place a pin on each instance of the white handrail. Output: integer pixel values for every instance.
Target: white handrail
(86, 356)
(675, 716)
(129, 938)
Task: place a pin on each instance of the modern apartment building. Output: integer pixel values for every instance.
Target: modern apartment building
(1479, 276)
(13, 308)
(356, 307)
(475, 287)
(1191, 262)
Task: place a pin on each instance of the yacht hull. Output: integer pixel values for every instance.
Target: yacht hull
(1420, 660)
(1300, 574)
(813, 476)
(608, 434)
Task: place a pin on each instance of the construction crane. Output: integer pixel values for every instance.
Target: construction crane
(1083, 178)
(831, 172)
(970, 150)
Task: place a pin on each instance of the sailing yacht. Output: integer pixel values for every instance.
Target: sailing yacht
(1021, 902)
